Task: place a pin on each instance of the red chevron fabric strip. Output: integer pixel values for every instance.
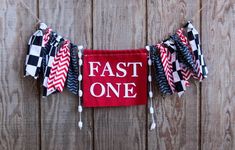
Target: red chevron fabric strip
(59, 69)
(186, 75)
(167, 65)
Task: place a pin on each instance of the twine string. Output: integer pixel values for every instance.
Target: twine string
(199, 11)
(30, 11)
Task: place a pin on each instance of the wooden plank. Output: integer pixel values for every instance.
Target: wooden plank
(218, 102)
(59, 115)
(119, 25)
(19, 122)
(178, 118)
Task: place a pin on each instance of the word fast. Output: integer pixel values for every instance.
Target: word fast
(119, 71)
(94, 66)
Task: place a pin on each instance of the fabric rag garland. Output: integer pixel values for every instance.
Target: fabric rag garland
(59, 61)
(180, 58)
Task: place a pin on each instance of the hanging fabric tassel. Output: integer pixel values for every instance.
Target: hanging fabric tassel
(167, 65)
(59, 69)
(34, 56)
(52, 48)
(179, 82)
(151, 109)
(80, 92)
(198, 74)
(72, 80)
(159, 72)
(185, 56)
(194, 40)
(187, 73)
(45, 51)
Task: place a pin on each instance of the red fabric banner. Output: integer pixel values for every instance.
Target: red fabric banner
(114, 77)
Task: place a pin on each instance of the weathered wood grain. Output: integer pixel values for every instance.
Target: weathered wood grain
(218, 101)
(178, 118)
(19, 121)
(30, 122)
(59, 115)
(119, 25)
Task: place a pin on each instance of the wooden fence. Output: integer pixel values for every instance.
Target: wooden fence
(203, 119)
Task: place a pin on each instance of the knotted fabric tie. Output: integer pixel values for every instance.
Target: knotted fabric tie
(188, 73)
(59, 69)
(159, 71)
(167, 65)
(185, 56)
(72, 80)
(34, 56)
(179, 82)
(52, 48)
(194, 41)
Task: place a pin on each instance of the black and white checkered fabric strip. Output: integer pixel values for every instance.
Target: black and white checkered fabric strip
(50, 51)
(177, 74)
(34, 56)
(184, 55)
(159, 72)
(194, 41)
(72, 79)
